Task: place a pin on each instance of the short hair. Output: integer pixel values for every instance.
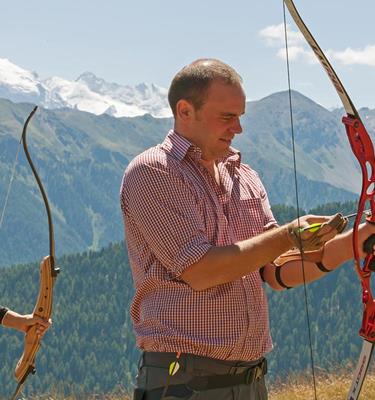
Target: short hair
(194, 80)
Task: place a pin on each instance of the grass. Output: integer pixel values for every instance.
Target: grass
(328, 387)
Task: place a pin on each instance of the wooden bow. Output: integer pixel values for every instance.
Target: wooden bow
(48, 274)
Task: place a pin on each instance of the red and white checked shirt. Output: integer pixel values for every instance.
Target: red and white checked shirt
(174, 212)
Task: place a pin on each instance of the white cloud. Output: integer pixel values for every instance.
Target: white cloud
(365, 56)
(298, 48)
(274, 35)
(298, 53)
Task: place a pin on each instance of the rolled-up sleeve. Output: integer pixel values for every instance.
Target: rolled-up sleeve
(161, 207)
(269, 220)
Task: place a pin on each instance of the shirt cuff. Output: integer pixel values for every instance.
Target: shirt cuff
(189, 257)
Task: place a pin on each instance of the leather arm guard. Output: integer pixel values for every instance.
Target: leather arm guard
(295, 255)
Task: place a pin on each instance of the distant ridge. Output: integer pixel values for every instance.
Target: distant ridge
(81, 158)
(87, 93)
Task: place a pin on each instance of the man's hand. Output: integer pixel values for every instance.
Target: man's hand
(365, 231)
(311, 232)
(24, 322)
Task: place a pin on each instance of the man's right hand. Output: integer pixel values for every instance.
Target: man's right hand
(311, 232)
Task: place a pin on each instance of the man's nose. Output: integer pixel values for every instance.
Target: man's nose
(236, 128)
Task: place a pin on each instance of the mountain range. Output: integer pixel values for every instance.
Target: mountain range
(86, 93)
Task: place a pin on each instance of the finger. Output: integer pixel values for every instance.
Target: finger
(314, 219)
(324, 229)
(336, 224)
(316, 241)
(42, 321)
(40, 330)
(321, 233)
(328, 236)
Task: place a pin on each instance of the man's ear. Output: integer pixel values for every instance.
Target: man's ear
(184, 110)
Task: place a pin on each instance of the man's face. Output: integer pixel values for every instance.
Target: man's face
(218, 120)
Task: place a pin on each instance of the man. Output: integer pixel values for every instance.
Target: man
(201, 238)
(23, 323)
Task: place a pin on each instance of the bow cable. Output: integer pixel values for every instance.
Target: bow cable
(10, 183)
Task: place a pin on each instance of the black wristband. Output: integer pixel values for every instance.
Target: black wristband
(3, 311)
(261, 273)
(322, 267)
(279, 280)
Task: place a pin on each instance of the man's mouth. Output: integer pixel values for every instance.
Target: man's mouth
(227, 141)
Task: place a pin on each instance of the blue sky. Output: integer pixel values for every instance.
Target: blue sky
(129, 42)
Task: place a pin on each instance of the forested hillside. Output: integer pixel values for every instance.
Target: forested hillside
(90, 348)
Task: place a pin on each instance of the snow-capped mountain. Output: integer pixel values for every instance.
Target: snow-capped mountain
(87, 93)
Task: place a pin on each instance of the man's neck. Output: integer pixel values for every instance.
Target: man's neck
(212, 168)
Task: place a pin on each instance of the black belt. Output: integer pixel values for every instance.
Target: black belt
(224, 373)
(249, 376)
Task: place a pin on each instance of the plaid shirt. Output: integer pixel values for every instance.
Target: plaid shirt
(174, 212)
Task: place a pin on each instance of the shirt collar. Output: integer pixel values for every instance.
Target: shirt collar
(179, 147)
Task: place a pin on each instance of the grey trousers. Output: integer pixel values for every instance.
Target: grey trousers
(152, 379)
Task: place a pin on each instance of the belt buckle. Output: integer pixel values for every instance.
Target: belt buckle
(232, 371)
(253, 374)
(258, 372)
